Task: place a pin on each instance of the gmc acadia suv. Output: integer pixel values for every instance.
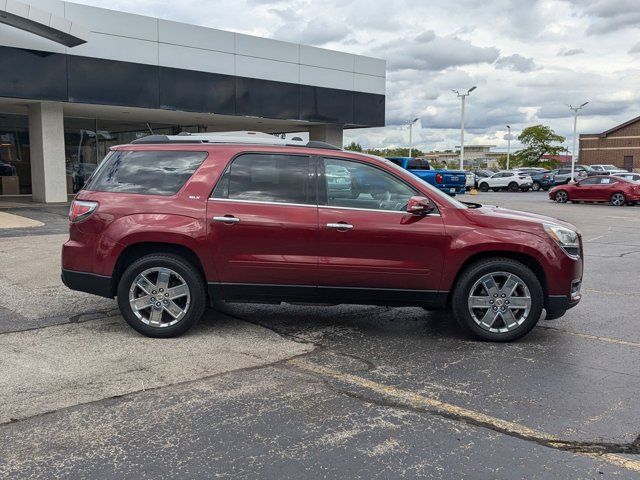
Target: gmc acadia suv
(170, 224)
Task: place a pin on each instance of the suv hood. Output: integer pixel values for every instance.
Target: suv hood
(493, 216)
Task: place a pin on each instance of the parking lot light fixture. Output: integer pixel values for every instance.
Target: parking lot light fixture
(463, 96)
(575, 130)
(410, 134)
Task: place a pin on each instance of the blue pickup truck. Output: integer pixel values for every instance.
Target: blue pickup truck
(449, 181)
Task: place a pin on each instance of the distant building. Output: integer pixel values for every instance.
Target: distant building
(477, 156)
(563, 159)
(619, 146)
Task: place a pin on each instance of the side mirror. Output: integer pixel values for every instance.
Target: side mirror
(419, 206)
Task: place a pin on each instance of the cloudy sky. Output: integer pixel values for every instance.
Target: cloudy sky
(528, 58)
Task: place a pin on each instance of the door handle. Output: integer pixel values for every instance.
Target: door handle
(227, 219)
(340, 226)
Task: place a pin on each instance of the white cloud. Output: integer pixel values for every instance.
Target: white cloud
(517, 63)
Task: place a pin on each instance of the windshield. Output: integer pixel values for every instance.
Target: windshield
(434, 192)
(610, 167)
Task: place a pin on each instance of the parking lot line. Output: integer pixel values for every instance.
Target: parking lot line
(594, 337)
(607, 292)
(418, 401)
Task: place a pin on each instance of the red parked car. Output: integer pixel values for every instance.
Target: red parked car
(602, 188)
(169, 224)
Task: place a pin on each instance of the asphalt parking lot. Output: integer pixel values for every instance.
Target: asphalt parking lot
(284, 391)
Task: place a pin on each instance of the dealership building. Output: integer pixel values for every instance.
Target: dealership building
(619, 146)
(76, 80)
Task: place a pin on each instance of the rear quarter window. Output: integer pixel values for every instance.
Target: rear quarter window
(147, 171)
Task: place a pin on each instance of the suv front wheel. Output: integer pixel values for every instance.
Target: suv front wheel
(161, 295)
(498, 299)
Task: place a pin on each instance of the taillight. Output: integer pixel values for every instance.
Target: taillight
(545, 176)
(438, 178)
(81, 210)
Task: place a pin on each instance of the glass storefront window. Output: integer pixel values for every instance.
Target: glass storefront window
(87, 141)
(15, 165)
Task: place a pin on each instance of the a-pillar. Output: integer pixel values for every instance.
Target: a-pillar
(46, 140)
(327, 133)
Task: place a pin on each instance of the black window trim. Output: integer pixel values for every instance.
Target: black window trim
(309, 194)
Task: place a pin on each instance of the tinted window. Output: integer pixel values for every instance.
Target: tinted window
(589, 181)
(417, 164)
(150, 172)
(607, 181)
(563, 171)
(356, 185)
(266, 178)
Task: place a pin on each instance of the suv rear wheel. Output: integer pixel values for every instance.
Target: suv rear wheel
(161, 295)
(498, 299)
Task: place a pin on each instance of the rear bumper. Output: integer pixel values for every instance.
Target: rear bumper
(87, 282)
(452, 189)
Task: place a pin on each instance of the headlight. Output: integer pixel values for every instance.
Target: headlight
(568, 239)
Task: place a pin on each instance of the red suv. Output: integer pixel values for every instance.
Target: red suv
(169, 224)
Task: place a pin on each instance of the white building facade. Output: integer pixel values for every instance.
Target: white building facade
(76, 80)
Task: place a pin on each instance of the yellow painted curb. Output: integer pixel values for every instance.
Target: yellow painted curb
(8, 220)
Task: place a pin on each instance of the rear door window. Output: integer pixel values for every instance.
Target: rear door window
(277, 178)
(151, 172)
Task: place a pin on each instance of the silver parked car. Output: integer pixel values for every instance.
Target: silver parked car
(608, 169)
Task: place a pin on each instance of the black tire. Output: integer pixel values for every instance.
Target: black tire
(618, 199)
(561, 196)
(477, 270)
(483, 187)
(191, 276)
(536, 186)
(525, 189)
(513, 187)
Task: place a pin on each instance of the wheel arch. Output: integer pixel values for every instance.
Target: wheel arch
(138, 250)
(529, 261)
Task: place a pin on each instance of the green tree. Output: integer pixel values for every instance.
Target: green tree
(538, 140)
(354, 147)
(395, 152)
(514, 162)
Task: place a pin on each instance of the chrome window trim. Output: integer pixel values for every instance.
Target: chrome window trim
(263, 202)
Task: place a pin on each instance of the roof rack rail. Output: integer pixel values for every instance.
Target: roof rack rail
(247, 137)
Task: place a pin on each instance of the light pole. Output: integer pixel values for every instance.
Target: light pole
(410, 134)
(463, 96)
(508, 145)
(575, 130)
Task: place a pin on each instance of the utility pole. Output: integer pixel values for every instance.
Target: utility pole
(508, 145)
(411, 134)
(575, 131)
(463, 96)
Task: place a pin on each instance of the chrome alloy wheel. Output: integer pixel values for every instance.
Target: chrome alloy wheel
(159, 297)
(618, 199)
(561, 196)
(499, 302)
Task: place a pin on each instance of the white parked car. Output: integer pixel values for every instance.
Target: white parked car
(470, 180)
(634, 177)
(509, 180)
(608, 169)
